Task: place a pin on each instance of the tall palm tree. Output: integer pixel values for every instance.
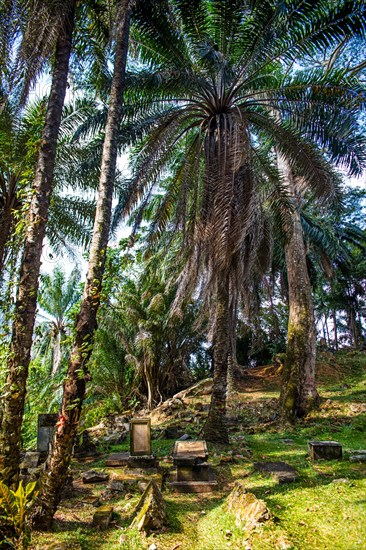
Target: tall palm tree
(57, 294)
(77, 374)
(208, 87)
(26, 301)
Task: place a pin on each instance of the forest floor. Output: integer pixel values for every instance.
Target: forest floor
(324, 509)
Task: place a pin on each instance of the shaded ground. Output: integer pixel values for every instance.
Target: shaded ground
(324, 508)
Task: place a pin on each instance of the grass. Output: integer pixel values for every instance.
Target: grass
(314, 513)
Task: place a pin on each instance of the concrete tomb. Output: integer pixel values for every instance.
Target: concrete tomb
(46, 430)
(140, 455)
(328, 450)
(193, 473)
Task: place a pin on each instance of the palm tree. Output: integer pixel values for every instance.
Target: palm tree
(210, 86)
(26, 301)
(77, 374)
(57, 294)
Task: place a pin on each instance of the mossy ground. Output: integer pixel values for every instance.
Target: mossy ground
(316, 512)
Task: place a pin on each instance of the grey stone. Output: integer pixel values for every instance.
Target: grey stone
(341, 480)
(184, 437)
(357, 458)
(92, 476)
(46, 429)
(30, 460)
(102, 517)
(116, 485)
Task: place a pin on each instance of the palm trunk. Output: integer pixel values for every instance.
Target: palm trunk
(215, 429)
(6, 224)
(298, 392)
(56, 356)
(77, 375)
(334, 316)
(25, 308)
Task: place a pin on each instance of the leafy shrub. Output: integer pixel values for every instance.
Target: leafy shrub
(14, 513)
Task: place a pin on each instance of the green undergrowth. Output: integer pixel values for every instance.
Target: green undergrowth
(324, 509)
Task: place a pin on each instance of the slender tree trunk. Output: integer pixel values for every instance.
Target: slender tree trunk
(215, 429)
(56, 356)
(334, 316)
(25, 308)
(74, 386)
(298, 392)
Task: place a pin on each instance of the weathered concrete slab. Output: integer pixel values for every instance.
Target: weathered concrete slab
(328, 450)
(283, 472)
(150, 513)
(117, 459)
(189, 452)
(102, 517)
(46, 429)
(193, 486)
(92, 476)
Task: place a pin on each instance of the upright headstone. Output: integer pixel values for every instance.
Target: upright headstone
(140, 437)
(46, 429)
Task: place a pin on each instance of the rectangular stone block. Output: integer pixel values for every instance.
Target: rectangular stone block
(46, 430)
(189, 452)
(102, 517)
(140, 437)
(327, 450)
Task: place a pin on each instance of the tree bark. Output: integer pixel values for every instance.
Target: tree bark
(6, 224)
(53, 481)
(26, 302)
(298, 392)
(334, 316)
(215, 429)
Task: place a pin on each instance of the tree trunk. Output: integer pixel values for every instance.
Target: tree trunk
(74, 386)
(298, 392)
(215, 429)
(26, 302)
(6, 224)
(334, 316)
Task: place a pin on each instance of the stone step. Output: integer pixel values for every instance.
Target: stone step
(193, 486)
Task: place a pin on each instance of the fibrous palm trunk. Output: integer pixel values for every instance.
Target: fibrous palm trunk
(26, 302)
(6, 224)
(298, 392)
(215, 429)
(74, 386)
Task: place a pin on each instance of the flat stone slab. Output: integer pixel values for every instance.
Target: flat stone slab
(282, 471)
(189, 452)
(92, 476)
(102, 517)
(117, 459)
(328, 450)
(358, 458)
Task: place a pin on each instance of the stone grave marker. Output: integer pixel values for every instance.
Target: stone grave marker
(46, 429)
(328, 450)
(193, 473)
(140, 437)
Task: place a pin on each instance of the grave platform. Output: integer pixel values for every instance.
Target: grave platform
(120, 460)
(328, 450)
(193, 473)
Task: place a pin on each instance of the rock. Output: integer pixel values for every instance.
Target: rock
(341, 480)
(153, 546)
(117, 459)
(248, 510)
(142, 485)
(102, 517)
(150, 513)
(116, 485)
(185, 437)
(85, 447)
(92, 476)
(30, 460)
(287, 441)
(357, 458)
(91, 500)
(283, 472)
(115, 438)
(204, 387)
